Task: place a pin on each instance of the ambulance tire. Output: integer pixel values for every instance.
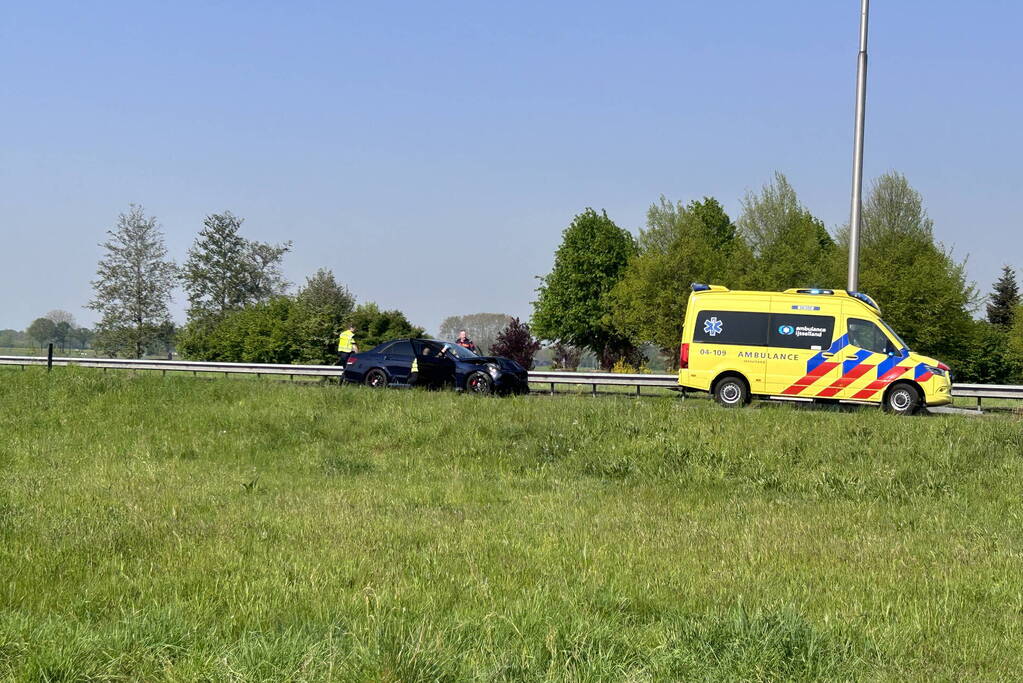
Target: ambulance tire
(731, 391)
(902, 399)
(376, 379)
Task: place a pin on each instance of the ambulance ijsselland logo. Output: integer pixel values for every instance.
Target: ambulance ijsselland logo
(786, 329)
(712, 326)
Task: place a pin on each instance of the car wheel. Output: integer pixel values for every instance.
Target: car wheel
(902, 399)
(376, 378)
(479, 383)
(731, 392)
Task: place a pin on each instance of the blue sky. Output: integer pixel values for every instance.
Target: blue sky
(432, 153)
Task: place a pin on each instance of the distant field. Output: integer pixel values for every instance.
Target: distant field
(172, 528)
(70, 353)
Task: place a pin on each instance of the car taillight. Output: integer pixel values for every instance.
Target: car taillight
(351, 359)
(683, 357)
(942, 366)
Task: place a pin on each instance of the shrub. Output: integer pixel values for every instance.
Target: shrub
(516, 342)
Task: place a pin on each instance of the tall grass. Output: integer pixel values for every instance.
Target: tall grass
(181, 529)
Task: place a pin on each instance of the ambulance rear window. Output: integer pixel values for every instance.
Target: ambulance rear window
(731, 327)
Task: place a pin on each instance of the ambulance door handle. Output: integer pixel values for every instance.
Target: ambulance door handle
(825, 354)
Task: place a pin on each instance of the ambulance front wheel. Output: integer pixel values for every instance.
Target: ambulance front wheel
(902, 399)
(731, 391)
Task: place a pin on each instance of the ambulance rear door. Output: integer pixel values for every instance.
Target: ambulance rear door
(730, 335)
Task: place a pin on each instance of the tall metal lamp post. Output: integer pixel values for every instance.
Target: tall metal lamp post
(855, 217)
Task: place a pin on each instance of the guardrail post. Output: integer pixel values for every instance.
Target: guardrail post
(594, 389)
(978, 404)
(49, 357)
(638, 387)
(552, 388)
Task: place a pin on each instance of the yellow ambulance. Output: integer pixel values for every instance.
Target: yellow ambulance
(820, 344)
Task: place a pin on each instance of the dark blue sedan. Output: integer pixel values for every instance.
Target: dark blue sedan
(437, 364)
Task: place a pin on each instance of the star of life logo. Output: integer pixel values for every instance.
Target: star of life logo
(712, 326)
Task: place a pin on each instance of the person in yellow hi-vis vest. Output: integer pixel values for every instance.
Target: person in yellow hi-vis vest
(346, 346)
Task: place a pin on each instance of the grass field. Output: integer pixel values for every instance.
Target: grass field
(172, 528)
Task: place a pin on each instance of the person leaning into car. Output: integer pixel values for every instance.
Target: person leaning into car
(346, 346)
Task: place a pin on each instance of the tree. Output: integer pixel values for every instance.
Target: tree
(42, 330)
(573, 305)
(226, 272)
(373, 326)
(59, 316)
(1015, 337)
(921, 289)
(682, 244)
(565, 357)
(133, 284)
(516, 342)
(991, 358)
(322, 307)
(482, 328)
(1004, 300)
(61, 334)
(80, 337)
(262, 332)
(790, 246)
(64, 324)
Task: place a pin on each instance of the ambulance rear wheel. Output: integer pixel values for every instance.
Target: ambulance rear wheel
(731, 391)
(902, 399)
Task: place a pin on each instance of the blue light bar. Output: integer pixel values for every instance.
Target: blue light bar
(866, 299)
(815, 291)
(697, 287)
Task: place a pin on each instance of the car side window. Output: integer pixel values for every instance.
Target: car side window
(866, 335)
(427, 350)
(400, 348)
(382, 348)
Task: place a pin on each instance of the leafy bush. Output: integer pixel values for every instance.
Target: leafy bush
(373, 326)
(516, 342)
(284, 329)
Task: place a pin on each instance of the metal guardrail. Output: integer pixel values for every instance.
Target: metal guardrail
(195, 367)
(536, 377)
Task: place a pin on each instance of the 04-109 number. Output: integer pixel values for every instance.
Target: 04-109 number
(712, 352)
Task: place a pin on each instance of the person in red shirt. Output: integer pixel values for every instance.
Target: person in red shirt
(464, 341)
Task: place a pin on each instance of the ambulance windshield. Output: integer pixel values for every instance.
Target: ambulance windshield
(903, 346)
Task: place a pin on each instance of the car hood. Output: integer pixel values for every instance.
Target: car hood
(499, 361)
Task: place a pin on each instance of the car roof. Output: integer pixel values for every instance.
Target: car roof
(408, 339)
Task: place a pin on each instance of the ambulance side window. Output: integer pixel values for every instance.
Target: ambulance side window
(867, 335)
(731, 327)
(793, 331)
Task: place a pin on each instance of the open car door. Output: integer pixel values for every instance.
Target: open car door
(435, 369)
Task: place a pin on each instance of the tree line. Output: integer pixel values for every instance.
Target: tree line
(610, 292)
(58, 327)
(239, 306)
